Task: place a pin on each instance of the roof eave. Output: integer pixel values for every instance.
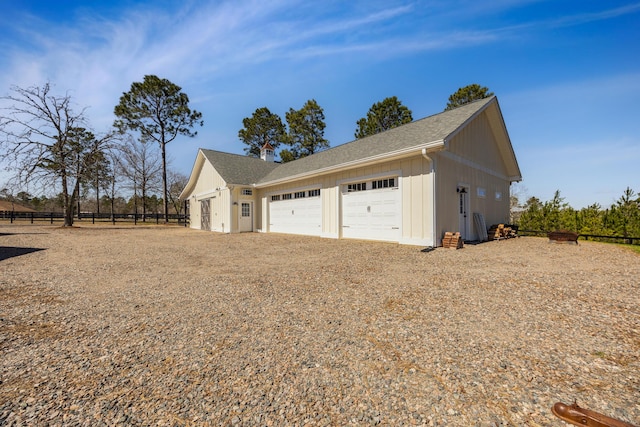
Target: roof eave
(199, 162)
(405, 152)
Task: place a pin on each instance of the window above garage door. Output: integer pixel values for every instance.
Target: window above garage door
(375, 184)
(296, 195)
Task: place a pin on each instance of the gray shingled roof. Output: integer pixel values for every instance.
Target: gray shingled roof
(237, 169)
(430, 129)
(243, 170)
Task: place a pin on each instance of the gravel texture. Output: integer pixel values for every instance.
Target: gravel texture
(171, 326)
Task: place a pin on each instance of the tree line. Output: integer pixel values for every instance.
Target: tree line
(305, 133)
(622, 218)
(90, 204)
(46, 142)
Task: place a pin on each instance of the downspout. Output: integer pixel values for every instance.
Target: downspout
(433, 197)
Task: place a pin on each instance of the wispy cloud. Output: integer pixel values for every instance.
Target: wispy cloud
(584, 18)
(568, 20)
(99, 57)
(193, 42)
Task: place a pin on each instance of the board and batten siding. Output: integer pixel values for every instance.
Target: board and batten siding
(415, 182)
(417, 201)
(208, 180)
(472, 160)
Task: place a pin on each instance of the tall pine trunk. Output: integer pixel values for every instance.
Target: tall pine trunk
(165, 205)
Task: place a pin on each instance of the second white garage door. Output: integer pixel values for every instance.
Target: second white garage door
(296, 216)
(372, 214)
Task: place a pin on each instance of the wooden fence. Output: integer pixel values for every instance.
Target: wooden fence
(52, 217)
(597, 237)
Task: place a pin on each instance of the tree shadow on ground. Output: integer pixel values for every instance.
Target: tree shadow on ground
(7, 252)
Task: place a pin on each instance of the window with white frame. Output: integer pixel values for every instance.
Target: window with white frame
(275, 197)
(246, 209)
(360, 186)
(314, 193)
(384, 183)
(299, 194)
(247, 192)
(287, 196)
(481, 192)
(498, 195)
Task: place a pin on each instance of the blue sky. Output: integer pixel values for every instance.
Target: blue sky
(566, 73)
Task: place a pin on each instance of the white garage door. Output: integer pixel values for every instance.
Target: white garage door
(372, 213)
(296, 216)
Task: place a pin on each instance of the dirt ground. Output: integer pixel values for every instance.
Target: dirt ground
(163, 325)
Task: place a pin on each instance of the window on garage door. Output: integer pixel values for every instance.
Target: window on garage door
(358, 186)
(384, 183)
(376, 184)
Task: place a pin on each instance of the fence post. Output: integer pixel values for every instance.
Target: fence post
(31, 217)
(11, 216)
(135, 218)
(157, 218)
(51, 214)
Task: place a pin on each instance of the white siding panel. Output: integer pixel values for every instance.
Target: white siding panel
(217, 212)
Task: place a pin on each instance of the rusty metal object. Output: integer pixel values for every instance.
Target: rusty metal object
(584, 417)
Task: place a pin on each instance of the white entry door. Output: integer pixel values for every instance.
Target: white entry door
(216, 214)
(372, 214)
(245, 221)
(463, 212)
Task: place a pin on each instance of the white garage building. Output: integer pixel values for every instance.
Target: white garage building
(408, 185)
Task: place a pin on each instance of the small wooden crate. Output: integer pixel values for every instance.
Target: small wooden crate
(452, 240)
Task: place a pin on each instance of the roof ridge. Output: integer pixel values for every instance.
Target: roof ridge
(230, 154)
(475, 101)
(486, 100)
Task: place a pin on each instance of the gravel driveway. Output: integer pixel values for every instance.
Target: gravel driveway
(172, 326)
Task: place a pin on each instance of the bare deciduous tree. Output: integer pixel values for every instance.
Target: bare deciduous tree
(176, 182)
(43, 138)
(141, 163)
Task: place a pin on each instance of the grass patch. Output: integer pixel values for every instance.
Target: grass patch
(633, 248)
